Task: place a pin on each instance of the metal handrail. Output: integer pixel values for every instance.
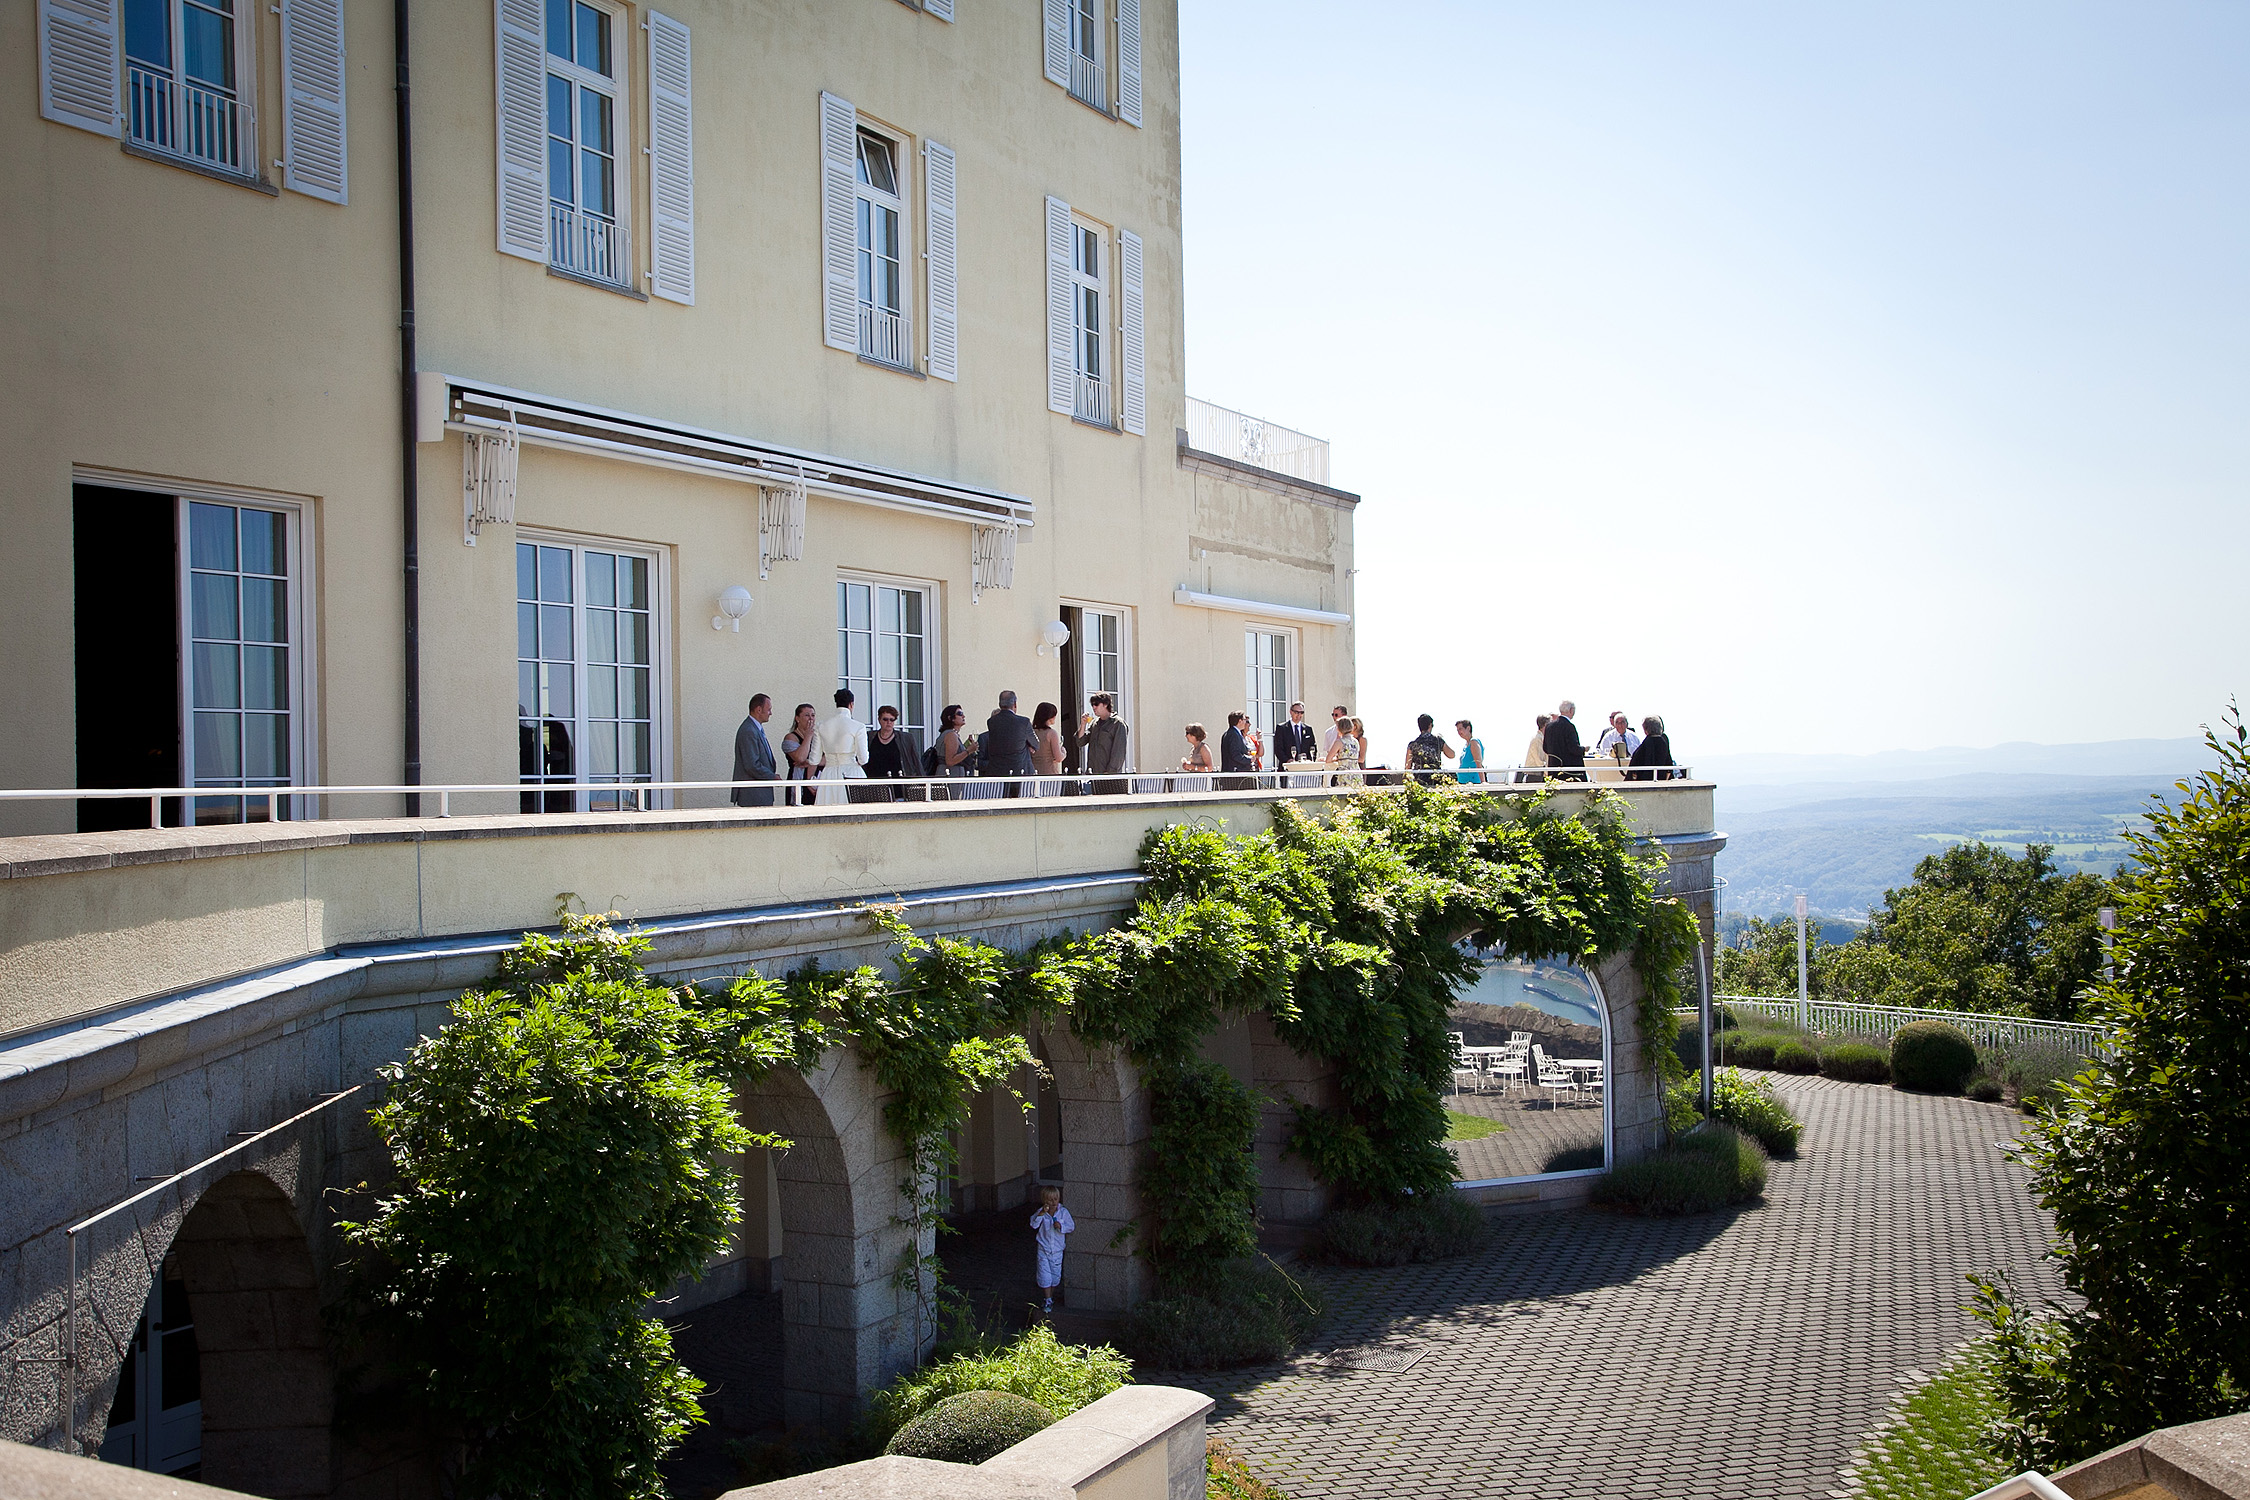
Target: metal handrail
(1851, 1016)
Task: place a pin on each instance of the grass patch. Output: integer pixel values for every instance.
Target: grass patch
(1227, 1475)
(1461, 1127)
(1709, 1167)
(1932, 1447)
(1246, 1313)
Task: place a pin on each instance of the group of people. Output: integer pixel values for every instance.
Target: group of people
(1027, 756)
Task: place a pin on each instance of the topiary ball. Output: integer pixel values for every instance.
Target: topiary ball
(1796, 1057)
(1932, 1058)
(971, 1427)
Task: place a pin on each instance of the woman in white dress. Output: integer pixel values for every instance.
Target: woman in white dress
(841, 749)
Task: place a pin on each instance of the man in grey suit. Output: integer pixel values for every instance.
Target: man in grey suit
(1106, 739)
(1007, 743)
(753, 756)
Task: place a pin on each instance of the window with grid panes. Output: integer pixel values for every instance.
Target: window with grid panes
(1101, 656)
(585, 230)
(883, 651)
(240, 668)
(1266, 671)
(585, 675)
(881, 216)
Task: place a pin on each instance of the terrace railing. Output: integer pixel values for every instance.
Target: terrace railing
(589, 245)
(1842, 1018)
(1235, 435)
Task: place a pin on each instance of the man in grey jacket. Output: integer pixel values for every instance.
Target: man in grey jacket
(1106, 739)
(753, 756)
(1006, 750)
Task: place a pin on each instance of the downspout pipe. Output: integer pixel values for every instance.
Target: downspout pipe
(410, 500)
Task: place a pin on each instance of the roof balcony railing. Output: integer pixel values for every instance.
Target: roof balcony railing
(588, 245)
(187, 119)
(1229, 434)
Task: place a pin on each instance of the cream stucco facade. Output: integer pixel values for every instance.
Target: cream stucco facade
(175, 332)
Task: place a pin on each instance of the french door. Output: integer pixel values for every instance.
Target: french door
(884, 652)
(587, 679)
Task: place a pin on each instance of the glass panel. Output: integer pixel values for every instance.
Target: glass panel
(893, 657)
(890, 607)
(218, 747)
(856, 654)
(554, 574)
(527, 690)
(148, 32)
(875, 165)
(558, 27)
(632, 743)
(632, 700)
(601, 749)
(632, 582)
(593, 40)
(527, 572)
(180, 1369)
(211, 536)
(601, 692)
(913, 672)
(556, 698)
(555, 739)
(207, 45)
(601, 635)
(216, 676)
(214, 614)
(527, 631)
(265, 745)
(912, 599)
(265, 676)
(559, 180)
(265, 535)
(632, 643)
(600, 171)
(1532, 1033)
(265, 609)
(554, 632)
(914, 706)
(856, 606)
(601, 578)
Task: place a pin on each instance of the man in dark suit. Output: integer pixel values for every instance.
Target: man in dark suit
(753, 756)
(1563, 748)
(1006, 744)
(1106, 739)
(1294, 741)
(1235, 755)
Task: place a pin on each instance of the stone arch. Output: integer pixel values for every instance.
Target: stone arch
(268, 1386)
(1105, 1123)
(848, 1325)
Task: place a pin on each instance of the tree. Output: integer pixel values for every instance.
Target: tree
(2145, 1161)
(1981, 930)
(1761, 958)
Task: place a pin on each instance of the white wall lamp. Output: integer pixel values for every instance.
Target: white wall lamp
(1053, 637)
(733, 605)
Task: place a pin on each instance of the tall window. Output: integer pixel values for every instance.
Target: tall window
(585, 675)
(883, 650)
(1086, 80)
(1266, 672)
(182, 94)
(240, 672)
(882, 275)
(586, 233)
(1090, 351)
(1101, 656)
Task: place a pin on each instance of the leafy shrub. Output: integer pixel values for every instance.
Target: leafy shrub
(1754, 1108)
(1986, 1090)
(1705, 1169)
(1036, 1366)
(2035, 1068)
(1856, 1062)
(1753, 1049)
(1587, 1158)
(1794, 1056)
(1244, 1313)
(1932, 1057)
(1428, 1228)
(1227, 1475)
(971, 1427)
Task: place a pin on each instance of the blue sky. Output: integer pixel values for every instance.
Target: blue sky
(1821, 377)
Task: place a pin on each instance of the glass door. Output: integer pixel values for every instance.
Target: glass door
(586, 679)
(883, 651)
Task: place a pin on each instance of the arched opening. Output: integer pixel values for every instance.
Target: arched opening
(234, 1319)
(1532, 1071)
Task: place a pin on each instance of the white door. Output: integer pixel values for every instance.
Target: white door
(586, 675)
(156, 1418)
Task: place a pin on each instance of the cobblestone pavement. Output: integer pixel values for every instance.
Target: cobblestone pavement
(1538, 1130)
(1585, 1354)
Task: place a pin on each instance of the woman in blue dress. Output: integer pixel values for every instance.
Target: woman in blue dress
(1472, 755)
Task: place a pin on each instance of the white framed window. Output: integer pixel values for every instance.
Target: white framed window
(588, 678)
(879, 229)
(886, 649)
(1086, 78)
(587, 232)
(240, 672)
(1269, 675)
(1084, 44)
(187, 72)
(1089, 258)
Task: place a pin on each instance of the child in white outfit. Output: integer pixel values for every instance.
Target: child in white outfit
(1050, 1223)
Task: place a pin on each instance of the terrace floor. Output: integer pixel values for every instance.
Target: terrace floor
(1589, 1354)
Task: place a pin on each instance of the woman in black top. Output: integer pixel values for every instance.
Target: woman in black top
(1655, 751)
(890, 756)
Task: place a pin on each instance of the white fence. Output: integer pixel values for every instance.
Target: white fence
(1835, 1018)
(1255, 441)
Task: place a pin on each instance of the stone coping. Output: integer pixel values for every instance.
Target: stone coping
(892, 1477)
(2194, 1461)
(1095, 1439)
(29, 856)
(28, 1473)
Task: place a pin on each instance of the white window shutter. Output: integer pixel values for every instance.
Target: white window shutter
(1132, 335)
(942, 9)
(1129, 61)
(671, 156)
(945, 301)
(312, 97)
(1062, 382)
(839, 242)
(519, 93)
(78, 63)
(1055, 23)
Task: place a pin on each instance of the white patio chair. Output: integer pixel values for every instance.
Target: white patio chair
(1554, 1077)
(1509, 1069)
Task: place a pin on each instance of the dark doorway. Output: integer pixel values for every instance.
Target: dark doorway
(156, 1420)
(125, 568)
(1073, 699)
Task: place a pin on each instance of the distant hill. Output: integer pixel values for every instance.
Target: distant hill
(2168, 759)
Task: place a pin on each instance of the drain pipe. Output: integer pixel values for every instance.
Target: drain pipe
(410, 499)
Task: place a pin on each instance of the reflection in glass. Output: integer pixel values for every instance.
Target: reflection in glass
(1529, 1080)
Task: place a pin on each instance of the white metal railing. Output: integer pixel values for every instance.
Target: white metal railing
(1253, 440)
(303, 802)
(882, 334)
(186, 119)
(1087, 81)
(1093, 399)
(588, 244)
(1844, 1018)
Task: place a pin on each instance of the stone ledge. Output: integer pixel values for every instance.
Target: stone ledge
(2194, 1461)
(1096, 1440)
(895, 1478)
(28, 1473)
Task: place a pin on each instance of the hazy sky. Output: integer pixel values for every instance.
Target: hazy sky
(1821, 377)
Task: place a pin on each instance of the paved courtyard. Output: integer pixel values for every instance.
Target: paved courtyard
(1588, 1354)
